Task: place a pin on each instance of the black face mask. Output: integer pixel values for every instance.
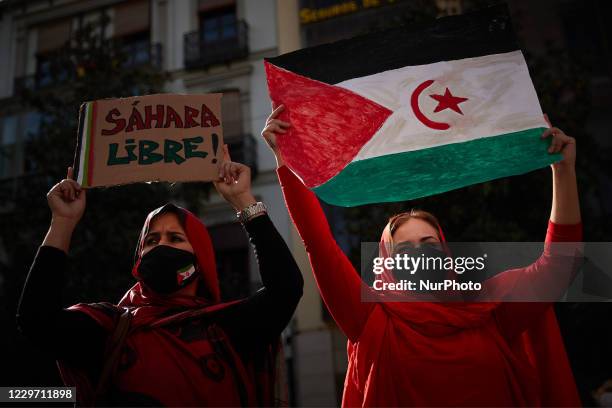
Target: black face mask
(166, 269)
(434, 271)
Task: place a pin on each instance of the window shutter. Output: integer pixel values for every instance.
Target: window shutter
(53, 35)
(231, 112)
(206, 5)
(131, 17)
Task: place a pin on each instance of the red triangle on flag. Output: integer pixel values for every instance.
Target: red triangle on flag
(329, 124)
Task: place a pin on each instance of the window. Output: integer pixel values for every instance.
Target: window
(16, 132)
(95, 23)
(232, 258)
(220, 38)
(131, 17)
(136, 49)
(44, 71)
(52, 37)
(131, 27)
(231, 112)
(51, 68)
(218, 25)
(8, 146)
(31, 125)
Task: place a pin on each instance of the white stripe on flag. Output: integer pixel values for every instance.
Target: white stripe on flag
(84, 142)
(501, 100)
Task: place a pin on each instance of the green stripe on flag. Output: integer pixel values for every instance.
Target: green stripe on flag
(425, 172)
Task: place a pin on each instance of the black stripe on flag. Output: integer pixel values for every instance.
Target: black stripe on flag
(485, 32)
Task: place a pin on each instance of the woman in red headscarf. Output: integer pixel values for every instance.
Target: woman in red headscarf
(444, 353)
(183, 346)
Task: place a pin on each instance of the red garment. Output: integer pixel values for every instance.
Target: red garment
(434, 354)
(168, 359)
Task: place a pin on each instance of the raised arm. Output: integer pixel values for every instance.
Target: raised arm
(65, 334)
(338, 281)
(260, 319)
(565, 204)
(263, 316)
(565, 225)
(67, 203)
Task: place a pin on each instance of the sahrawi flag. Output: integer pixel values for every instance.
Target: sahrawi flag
(407, 113)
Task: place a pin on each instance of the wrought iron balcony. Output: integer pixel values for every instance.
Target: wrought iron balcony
(201, 52)
(61, 70)
(142, 54)
(244, 150)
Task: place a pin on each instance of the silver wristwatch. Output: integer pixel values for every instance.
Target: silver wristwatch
(251, 211)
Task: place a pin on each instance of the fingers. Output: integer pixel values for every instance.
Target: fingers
(277, 126)
(230, 172)
(273, 127)
(281, 123)
(279, 109)
(551, 131)
(555, 145)
(74, 189)
(224, 169)
(226, 153)
(240, 171)
(63, 189)
(82, 194)
(559, 139)
(69, 190)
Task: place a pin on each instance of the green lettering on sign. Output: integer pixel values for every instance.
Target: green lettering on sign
(171, 151)
(191, 146)
(147, 153)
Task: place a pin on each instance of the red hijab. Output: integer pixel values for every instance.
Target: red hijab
(454, 354)
(170, 356)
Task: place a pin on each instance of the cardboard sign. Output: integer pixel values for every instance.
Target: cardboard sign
(161, 137)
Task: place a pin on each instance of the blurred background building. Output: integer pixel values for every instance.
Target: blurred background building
(206, 46)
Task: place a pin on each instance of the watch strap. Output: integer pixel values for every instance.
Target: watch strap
(251, 211)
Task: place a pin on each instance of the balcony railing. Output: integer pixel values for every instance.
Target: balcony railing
(143, 54)
(136, 55)
(244, 150)
(201, 52)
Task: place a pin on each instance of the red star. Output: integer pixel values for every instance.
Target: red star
(448, 101)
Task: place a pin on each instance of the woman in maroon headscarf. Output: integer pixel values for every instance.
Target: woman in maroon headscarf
(439, 354)
(184, 347)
